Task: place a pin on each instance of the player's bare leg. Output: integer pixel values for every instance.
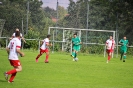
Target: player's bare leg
(18, 68)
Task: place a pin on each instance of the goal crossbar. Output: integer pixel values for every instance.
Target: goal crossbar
(79, 29)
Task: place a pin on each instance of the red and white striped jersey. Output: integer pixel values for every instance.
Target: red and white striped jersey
(13, 45)
(45, 41)
(110, 44)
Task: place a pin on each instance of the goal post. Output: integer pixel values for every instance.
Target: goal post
(2, 22)
(89, 37)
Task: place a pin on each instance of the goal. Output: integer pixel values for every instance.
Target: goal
(93, 41)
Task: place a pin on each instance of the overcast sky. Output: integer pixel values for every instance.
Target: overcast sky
(53, 3)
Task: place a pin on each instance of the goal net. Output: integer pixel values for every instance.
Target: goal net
(93, 41)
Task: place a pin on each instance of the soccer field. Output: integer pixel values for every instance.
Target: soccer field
(91, 71)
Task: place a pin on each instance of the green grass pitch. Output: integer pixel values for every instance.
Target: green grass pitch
(91, 71)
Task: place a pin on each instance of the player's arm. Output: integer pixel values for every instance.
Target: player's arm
(13, 35)
(72, 42)
(23, 39)
(114, 44)
(21, 36)
(80, 41)
(21, 53)
(11, 38)
(41, 42)
(8, 50)
(18, 46)
(106, 44)
(48, 44)
(120, 42)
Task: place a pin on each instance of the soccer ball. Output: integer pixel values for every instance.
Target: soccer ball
(76, 59)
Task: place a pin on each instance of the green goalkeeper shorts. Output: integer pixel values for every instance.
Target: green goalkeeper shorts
(76, 47)
(123, 50)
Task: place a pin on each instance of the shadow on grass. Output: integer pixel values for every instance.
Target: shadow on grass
(2, 80)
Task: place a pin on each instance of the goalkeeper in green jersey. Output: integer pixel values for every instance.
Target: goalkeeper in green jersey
(123, 49)
(76, 42)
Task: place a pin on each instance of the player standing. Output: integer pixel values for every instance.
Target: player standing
(20, 35)
(123, 49)
(13, 50)
(44, 49)
(76, 42)
(110, 45)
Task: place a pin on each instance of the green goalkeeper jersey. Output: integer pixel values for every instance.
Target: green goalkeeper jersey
(76, 41)
(124, 43)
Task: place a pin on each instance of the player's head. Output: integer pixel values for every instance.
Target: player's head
(124, 37)
(17, 34)
(75, 34)
(111, 37)
(48, 36)
(17, 29)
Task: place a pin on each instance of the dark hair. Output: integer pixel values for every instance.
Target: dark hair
(75, 34)
(17, 33)
(48, 36)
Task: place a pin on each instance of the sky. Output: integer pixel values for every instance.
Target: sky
(53, 3)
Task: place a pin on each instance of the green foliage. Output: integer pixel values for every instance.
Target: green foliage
(14, 11)
(32, 44)
(2, 42)
(92, 49)
(130, 51)
(57, 47)
(32, 34)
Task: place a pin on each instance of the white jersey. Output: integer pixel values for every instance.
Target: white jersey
(14, 35)
(45, 41)
(14, 44)
(110, 44)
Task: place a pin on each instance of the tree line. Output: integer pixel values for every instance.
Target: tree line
(102, 15)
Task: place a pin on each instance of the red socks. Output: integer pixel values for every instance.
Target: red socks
(38, 56)
(47, 56)
(12, 77)
(11, 72)
(109, 57)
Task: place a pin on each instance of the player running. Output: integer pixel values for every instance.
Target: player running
(13, 50)
(21, 36)
(76, 46)
(123, 49)
(44, 49)
(110, 45)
